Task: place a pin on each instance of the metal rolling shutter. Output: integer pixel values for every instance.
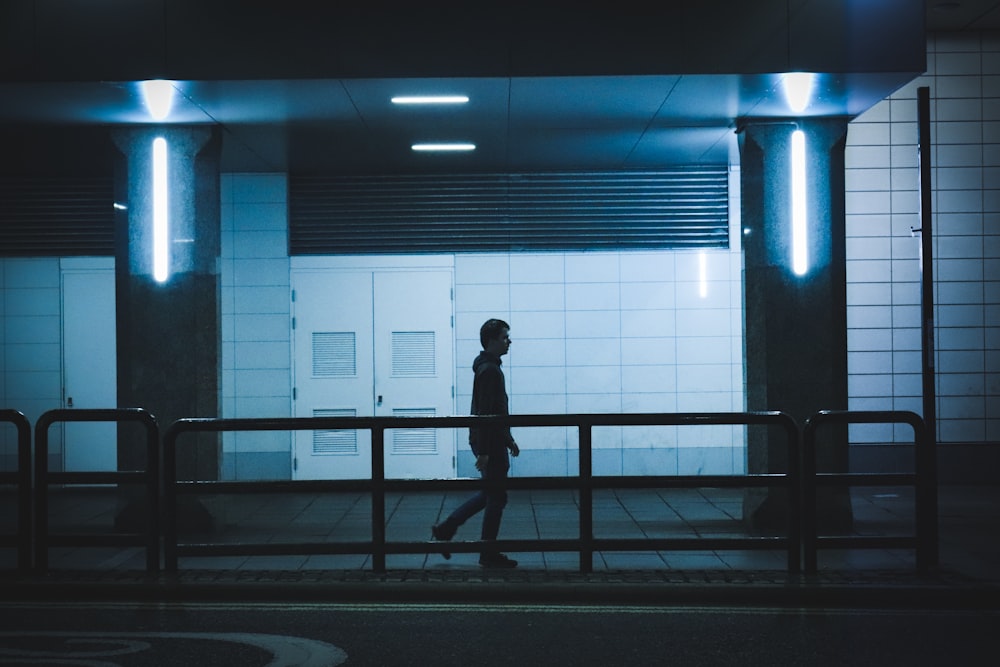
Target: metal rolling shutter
(680, 208)
(57, 217)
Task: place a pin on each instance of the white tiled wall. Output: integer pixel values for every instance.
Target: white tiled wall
(612, 332)
(256, 330)
(30, 346)
(884, 318)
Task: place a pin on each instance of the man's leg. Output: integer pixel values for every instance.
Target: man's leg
(496, 501)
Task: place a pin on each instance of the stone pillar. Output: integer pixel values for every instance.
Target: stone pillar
(796, 325)
(169, 330)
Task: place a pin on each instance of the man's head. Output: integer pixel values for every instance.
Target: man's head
(494, 335)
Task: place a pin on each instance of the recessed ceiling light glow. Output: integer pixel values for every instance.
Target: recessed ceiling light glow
(444, 147)
(798, 87)
(158, 94)
(430, 99)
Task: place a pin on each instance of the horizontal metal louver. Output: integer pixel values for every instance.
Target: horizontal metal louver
(679, 208)
(334, 354)
(413, 354)
(57, 217)
(414, 440)
(343, 442)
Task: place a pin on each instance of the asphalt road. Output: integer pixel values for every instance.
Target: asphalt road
(313, 634)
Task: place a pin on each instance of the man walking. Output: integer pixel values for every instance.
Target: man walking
(490, 445)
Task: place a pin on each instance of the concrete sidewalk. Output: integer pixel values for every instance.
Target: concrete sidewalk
(967, 574)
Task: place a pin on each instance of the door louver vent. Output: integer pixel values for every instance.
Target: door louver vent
(414, 440)
(336, 441)
(334, 354)
(413, 354)
(57, 217)
(680, 208)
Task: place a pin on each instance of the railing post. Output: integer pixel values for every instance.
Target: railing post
(22, 479)
(378, 498)
(586, 498)
(170, 498)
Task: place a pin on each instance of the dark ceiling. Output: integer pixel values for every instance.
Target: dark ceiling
(594, 122)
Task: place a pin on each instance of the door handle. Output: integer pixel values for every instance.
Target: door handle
(379, 400)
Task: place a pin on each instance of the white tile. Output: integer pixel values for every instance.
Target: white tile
(869, 385)
(259, 188)
(968, 87)
(593, 324)
(594, 379)
(703, 378)
(259, 355)
(869, 294)
(261, 244)
(262, 382)
(866, 180)
(534, 296)
(650, 295)
(31, 273)
(261, 272)
(592, 267)
(959, 293)
(596, 403)
(706, 322)
(707, 349)
(593, 351)
(647, 267)
(868, 134)
(541, 352)
(959, 362)
(869, 362)
(32, 357)
(959, 316)
(537, 268)
(262, 299)
(30, 330)
(651, 379)
(29, 384)
(868, 248)
(545, 324)
(961, 384)
(966, 338)
(907, 361)
(869, 340)
(478, 269)
(536, 380)
(486, 297)
(643, 351)
(248, 217)
(592, 296)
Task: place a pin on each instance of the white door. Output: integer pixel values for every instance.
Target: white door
(373, 343)
(89, 366)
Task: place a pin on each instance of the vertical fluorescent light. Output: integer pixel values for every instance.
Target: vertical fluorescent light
(800, 260)
(161, 257)
(702, 275)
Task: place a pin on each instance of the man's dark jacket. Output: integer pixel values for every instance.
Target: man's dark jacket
(489, 397)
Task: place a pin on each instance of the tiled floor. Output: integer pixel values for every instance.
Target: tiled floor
(966, 516)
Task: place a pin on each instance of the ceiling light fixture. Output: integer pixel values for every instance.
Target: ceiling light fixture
(446, 147)
(430, 99)
(158, 94)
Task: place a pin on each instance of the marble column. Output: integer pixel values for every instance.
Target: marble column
(169, 325)
(796, 321)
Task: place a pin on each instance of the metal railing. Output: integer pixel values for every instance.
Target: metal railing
(21, 478)
(924, 479)
(149, 478)
(584, 483)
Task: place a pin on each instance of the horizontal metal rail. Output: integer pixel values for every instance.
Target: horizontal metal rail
(21, 478)
(378, 485)
(150, 478)
(924, 479)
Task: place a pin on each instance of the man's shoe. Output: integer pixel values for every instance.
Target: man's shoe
(498, 561)
(439, 534)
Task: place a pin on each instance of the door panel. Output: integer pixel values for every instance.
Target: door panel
(333, 371)
(373, 343)
(89, 367)
(413, 369)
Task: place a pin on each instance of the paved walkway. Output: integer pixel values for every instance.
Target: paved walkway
(967, 573)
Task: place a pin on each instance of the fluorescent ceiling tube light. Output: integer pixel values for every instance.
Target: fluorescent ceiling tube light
(158, 94)
(430, 99)
(443, 147)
